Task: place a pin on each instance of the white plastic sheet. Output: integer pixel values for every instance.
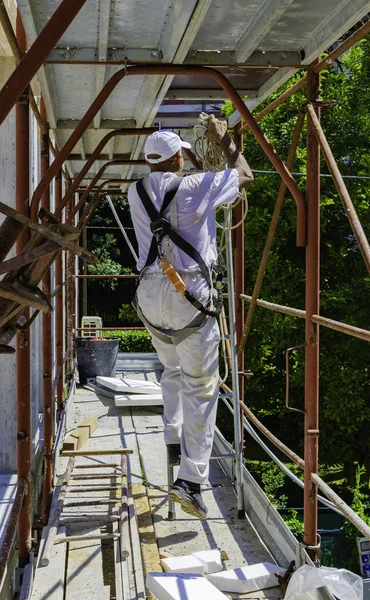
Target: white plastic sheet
(344, 584)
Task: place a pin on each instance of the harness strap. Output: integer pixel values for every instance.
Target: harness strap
(177, 239)
(171, 336)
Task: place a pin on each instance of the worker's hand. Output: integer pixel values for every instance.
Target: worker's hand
(216, 129)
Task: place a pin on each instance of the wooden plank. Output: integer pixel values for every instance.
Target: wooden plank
(27, 257)
(85, 569)
(47, 233)
(136, 551)
(103, 452)
(148, 541)
(49, 580)
(80, 435)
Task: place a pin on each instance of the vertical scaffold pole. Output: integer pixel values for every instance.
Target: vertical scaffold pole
(234, 361)
(23, 344)
(59, 323)
(70, 300)
(311, 429)
(47, 490)
(239, 245)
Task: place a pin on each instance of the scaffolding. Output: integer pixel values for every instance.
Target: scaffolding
(41, 237)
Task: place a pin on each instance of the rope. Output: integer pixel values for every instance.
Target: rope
(212, 158)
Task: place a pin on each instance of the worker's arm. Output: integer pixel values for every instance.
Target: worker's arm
(217, 131)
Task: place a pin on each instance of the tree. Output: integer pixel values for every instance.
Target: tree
(106, 296)
(344, 361)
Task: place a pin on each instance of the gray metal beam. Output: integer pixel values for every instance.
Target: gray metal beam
(204, 94)
(163, 83)
(113, 55)
(100, 72)
(100, 157)
(347, 14)
(258, 58)
(81, 146)
(268, 14)
(105, 124)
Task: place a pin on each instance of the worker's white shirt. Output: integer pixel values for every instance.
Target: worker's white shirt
(196, 201)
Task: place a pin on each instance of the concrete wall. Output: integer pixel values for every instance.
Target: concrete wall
(7, 362)
(8, 429)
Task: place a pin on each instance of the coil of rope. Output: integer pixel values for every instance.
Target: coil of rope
(213, 159)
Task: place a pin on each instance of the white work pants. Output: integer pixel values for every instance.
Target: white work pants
(190, 381)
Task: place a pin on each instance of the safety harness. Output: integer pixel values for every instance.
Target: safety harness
(160, 228)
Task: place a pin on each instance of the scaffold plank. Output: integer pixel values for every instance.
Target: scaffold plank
(85, 569)
(49, 579)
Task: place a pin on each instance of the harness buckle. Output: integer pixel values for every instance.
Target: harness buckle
(160, 227)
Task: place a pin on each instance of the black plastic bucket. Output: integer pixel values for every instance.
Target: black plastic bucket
(96, 357)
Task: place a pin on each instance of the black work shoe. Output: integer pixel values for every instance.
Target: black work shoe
(173, 454)
(188, 494)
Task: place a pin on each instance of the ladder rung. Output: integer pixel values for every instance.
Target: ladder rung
(84, 476)
(102, 488)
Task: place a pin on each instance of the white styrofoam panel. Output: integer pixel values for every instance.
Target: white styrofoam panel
(247, 579)
(139, 400)
(183, 564)
(211, 559)
(182, 586)
(129, 386)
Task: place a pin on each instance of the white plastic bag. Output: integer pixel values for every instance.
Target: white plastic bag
(344, 584)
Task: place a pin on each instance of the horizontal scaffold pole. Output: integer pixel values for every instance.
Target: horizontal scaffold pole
(169, 69)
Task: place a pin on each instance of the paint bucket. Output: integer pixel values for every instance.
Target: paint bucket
(96, 357)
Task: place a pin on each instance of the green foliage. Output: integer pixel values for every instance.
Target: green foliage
(344, 361)
(104, 247)
(128, 314)
(294, 523)
(131, 341)
(360, 500)
(272, 479)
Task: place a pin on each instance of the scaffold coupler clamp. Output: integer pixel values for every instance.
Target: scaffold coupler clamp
(314, 548)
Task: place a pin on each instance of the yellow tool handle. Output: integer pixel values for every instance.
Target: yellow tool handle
(173, 276)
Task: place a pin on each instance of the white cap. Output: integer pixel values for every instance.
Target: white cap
(165, 144)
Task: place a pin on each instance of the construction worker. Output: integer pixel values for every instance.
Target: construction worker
(184, 329)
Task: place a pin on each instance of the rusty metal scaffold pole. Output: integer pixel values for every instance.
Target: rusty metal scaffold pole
(23, 343)
(90, 161)
(348, 206)
(169, 69)
(59, 323)
(269, 239)
(311, 425)
(37, 54)
(90, 187)
(47, 367)
(89, 209)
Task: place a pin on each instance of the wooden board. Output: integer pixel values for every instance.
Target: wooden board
(85, 569)
(49, 580)
(79, 436)
(148, 541)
